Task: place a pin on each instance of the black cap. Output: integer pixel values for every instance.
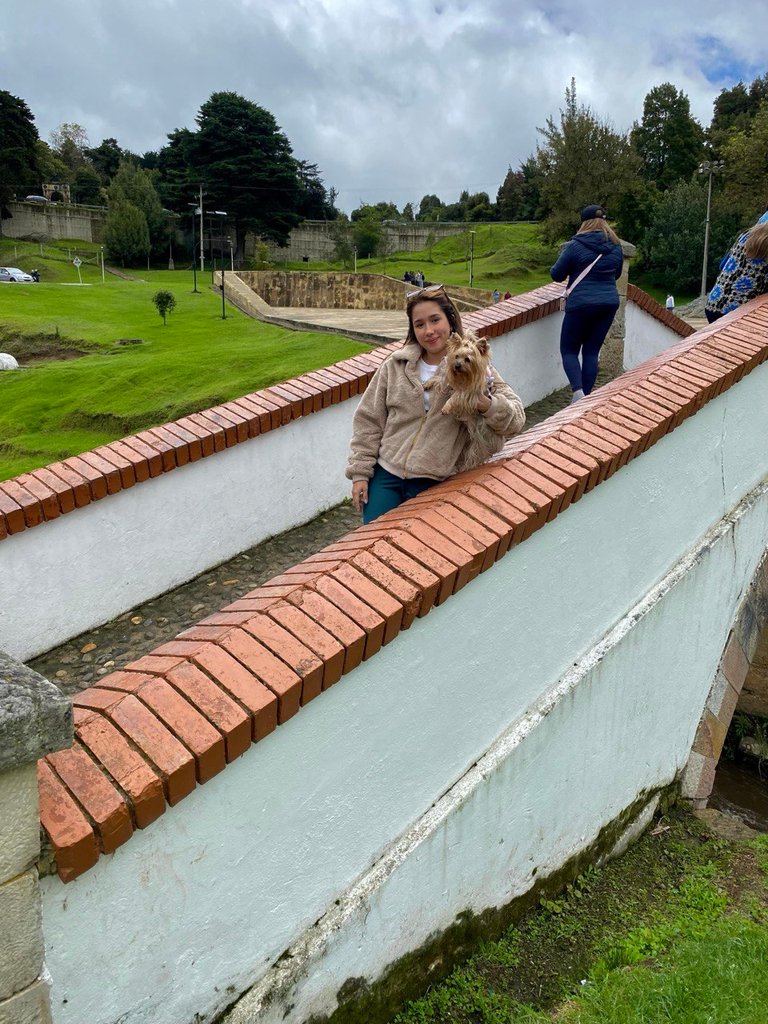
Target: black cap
(592, 213)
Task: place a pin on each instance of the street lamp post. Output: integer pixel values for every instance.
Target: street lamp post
(710, 168)
(194, 248)
(471, 256)
(211, 215)
(354, 251)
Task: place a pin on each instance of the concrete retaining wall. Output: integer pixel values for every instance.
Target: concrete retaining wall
(38, 222)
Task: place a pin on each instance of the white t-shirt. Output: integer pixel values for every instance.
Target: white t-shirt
(426, 372)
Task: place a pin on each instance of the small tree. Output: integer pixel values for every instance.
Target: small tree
(165, 303)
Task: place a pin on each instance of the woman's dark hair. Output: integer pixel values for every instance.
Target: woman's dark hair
(444, 302)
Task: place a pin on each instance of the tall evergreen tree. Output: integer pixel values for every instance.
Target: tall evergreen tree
(18, 148)
(582, 160)
(745, 187)
(133, 185)
(668, 139)
(245, 164)
(126, 235)
(106, 158)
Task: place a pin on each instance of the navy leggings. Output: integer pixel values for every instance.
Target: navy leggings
(583, 333)
(386, 491)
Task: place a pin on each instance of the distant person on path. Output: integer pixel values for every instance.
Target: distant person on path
(496, 295)
(670, 303)
(507, 294)
(592, 261)
(743, 273)
(401, 441)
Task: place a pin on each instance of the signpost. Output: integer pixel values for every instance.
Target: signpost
(77, 262)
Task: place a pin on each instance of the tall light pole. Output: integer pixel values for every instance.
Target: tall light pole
(710, 168)
(471, 256)
(194, 248)
(211, 215)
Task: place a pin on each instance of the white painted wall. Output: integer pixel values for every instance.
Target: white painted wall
(529, 358)
(645, 336)
(86, 567)
(81, 570)
(199, 906)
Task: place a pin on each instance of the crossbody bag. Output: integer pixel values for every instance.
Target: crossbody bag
(578, 281)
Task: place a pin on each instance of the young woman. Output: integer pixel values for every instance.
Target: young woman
(743, 273)
(592, 303)
(401, 442)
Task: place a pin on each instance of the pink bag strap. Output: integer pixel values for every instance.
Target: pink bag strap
(581, 276)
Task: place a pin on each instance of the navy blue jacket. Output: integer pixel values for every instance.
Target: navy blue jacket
(599, 286)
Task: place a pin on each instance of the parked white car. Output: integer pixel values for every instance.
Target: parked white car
(13, 274)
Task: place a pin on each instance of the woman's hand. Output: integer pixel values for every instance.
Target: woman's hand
(483, 404)
(359, 495)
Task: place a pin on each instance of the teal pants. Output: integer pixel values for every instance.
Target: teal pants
(386, 491)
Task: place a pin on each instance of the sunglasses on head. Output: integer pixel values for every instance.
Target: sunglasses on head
(431, 289)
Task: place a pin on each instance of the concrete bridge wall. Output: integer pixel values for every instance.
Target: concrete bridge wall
(522, 723)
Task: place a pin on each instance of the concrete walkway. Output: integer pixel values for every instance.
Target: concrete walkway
(383, 323)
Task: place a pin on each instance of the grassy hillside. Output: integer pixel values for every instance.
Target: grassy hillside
(506, 256)
(59, 407)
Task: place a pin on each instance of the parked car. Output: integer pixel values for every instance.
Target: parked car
(13, 274)
(36, 199)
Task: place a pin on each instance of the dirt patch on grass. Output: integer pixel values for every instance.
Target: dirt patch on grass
(40, 347)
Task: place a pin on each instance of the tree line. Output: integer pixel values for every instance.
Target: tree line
(652, 179)
(237, 155)
(649, 178)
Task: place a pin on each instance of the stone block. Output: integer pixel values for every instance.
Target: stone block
(706, 779)
(35, 716)
(19, 821)
(717, 692)
(710, 736)
(32, 1006)
(728, 706)
(21, 952)
(734, 663)
(689, 783)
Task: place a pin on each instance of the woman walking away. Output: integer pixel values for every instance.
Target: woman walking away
(402, 443)
(592, 261)
(743, 274)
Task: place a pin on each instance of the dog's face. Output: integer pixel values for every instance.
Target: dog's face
(466, 361)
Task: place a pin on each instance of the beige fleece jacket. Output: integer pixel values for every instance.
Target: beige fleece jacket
(390, 426)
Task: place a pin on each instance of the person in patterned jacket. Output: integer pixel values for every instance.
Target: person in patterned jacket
(743, 274)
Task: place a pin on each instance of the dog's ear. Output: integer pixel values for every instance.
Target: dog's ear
(482, 346)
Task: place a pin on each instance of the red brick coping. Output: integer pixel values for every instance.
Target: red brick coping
(658, 312)
(44, 494)
(148, 734)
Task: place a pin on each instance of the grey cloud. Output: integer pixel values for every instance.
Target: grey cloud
(391, 101)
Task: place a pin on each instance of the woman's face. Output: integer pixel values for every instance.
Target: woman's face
(432, 330)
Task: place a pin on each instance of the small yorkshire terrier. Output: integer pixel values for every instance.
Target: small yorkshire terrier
(465, 375)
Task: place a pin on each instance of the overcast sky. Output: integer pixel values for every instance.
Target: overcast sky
(391, 99)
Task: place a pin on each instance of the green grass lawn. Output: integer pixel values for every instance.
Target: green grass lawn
(674, 932)
(58, 408)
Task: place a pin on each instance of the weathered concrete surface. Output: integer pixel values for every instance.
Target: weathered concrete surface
(21, 951)
(35, 717)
